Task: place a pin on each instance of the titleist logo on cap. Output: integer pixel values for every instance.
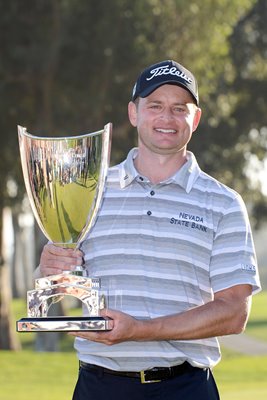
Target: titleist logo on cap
(166, 70)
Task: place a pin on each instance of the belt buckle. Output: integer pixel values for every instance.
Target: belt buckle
(143, 378)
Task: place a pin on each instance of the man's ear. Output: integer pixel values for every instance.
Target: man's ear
(197, 117)
(132, 113)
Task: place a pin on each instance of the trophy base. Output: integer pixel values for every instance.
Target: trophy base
(65, 324)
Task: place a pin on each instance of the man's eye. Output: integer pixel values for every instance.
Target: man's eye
(179, 109)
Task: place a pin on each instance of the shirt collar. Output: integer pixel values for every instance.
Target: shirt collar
(184, 177)
(128, 171)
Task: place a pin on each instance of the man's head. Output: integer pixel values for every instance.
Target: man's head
(165, 72)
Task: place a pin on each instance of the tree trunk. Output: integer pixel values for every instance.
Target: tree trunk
(8, 338)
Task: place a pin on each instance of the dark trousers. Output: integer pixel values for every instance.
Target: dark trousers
(197, 384)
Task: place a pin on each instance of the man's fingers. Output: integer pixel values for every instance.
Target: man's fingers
(56, 259)
(62, 251)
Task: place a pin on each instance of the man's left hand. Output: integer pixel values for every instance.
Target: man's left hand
(124, 329)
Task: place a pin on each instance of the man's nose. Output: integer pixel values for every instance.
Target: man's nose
(166, 114)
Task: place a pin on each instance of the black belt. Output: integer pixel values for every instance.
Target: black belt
(149, 376)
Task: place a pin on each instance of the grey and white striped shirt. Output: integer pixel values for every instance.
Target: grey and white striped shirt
(162, 249)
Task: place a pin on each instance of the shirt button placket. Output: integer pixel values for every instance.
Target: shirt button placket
(152, 193)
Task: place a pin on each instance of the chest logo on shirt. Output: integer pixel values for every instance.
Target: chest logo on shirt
(189, 221)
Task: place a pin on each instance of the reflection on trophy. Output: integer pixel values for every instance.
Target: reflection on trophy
(65, 181)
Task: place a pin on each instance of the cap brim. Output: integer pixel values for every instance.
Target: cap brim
(146, 92)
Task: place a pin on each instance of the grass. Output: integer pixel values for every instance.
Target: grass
(257, 325)
(27, 374)
(242, 377)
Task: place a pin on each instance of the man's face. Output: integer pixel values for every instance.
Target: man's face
(165, 120)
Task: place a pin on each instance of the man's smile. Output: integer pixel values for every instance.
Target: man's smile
(162, 130)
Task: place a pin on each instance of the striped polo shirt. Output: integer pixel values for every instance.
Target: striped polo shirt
(162, 249)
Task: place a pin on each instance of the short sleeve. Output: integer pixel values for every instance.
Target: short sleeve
(233, 259)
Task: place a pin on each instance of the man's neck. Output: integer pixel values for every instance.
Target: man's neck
(157, 167)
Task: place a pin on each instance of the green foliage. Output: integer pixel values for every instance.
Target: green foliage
(236, 120)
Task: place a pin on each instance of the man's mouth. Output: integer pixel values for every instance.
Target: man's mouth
(168, 131)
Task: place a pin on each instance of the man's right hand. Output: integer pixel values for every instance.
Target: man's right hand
(54, 260)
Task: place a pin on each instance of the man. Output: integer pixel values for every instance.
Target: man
(175, 244)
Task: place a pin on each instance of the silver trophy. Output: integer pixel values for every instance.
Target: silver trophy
(65, 181)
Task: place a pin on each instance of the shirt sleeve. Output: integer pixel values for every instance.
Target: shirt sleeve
(233, 260)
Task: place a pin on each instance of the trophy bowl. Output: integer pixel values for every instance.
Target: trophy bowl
(65, 181)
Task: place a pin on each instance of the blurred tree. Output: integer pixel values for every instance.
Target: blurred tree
(250, 83)
(68, 66)
(27, 57)
(236, 124)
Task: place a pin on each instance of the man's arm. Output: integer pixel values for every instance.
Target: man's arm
(226, 314)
